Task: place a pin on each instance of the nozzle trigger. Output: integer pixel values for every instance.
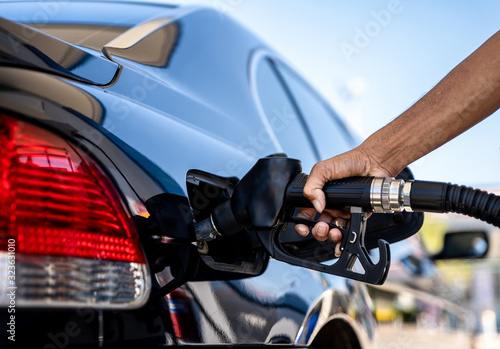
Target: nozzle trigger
(352, 247)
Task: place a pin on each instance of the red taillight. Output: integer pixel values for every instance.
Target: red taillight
(55, 200)
(63, 226)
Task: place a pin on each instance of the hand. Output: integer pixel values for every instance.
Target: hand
(356, 162)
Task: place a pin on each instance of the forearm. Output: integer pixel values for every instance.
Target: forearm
(467, 95)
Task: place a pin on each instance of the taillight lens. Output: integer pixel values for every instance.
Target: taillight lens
(74, 242)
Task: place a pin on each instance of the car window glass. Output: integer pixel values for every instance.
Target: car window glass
(282, 116)
(327, 130)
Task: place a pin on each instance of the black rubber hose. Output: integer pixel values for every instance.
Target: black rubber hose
(447, 197)
(473, 202)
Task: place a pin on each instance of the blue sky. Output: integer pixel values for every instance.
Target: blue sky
(374, 59)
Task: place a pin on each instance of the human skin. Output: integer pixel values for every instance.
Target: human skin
(463, 98)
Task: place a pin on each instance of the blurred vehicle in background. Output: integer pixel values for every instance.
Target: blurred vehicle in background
(475, 281)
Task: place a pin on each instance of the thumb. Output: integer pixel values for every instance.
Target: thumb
(343, 165)
(313, 189)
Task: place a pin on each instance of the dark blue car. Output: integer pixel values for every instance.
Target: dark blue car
(106, 109)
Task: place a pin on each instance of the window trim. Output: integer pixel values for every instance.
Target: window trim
(277, 65)
(255, 58)
(258, 58)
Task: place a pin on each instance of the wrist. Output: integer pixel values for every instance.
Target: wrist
(378, 161)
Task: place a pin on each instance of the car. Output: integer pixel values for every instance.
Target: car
(121, 124)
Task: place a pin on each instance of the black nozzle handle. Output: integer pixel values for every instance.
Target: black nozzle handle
(340, 194)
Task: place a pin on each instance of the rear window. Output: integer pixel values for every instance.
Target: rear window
(93, 36)
(89, 24)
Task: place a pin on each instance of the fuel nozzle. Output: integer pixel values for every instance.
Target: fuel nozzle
(265, 199)
(274, 185)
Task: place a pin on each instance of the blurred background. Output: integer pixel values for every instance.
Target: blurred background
(372, 60)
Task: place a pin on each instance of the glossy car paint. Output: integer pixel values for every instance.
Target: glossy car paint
(193, 104)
